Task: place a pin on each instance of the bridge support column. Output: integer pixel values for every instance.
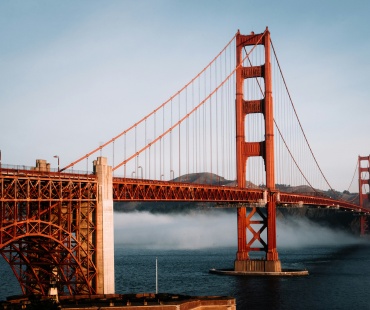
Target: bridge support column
(255, 221)
(364, 190)
(249, 224)
(104, 228)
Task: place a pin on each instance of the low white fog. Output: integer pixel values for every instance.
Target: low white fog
(213, 228)
(181, 231)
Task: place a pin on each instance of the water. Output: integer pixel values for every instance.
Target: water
(339, 265)
(339, 277)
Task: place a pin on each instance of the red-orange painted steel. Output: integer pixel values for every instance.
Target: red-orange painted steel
(364, 197)
(153, 190)
(47, 221)
(148, 190)
(47, 225)
(244, 149)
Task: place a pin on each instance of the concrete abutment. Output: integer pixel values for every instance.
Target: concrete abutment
(257, 265)
(104, 228)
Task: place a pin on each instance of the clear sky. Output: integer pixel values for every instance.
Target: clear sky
(75, 73)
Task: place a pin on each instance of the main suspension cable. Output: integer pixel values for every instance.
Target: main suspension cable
(299, 122)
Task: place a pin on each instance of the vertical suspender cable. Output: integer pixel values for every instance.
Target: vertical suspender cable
(205, 127)
(113, 157)
(210, 120)
(136, 157)
(125, 150)
(187, 134)
(163, 146)
(155, 148)
(171, 150)
(146, 155)
(194, 129)
(179, 117)
(217, 119)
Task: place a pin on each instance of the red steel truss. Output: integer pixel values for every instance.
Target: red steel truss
(147, 190)
(125, 189)
(48, 221)
(47, 225)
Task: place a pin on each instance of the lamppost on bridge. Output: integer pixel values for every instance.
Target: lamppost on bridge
(172, 173)
(132, 174)
(56, 156)
(141, 169)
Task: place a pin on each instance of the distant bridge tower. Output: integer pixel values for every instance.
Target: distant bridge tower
(245, 150)
(364, 188)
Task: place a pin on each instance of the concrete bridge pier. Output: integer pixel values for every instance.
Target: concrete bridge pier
(104, 228)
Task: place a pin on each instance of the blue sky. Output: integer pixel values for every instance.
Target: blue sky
(75, 73)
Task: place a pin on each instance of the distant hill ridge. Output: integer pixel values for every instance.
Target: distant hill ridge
(214, 179)
(329, 218)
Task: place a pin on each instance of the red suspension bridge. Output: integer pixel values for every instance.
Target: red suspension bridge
(233, 121)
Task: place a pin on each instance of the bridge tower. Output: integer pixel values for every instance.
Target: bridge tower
(364, 189)
(248, 234)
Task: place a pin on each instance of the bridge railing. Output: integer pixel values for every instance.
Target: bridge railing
(29, 170)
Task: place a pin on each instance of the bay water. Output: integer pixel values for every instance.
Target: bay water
(187, 247)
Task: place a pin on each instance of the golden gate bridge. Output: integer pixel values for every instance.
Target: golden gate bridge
(235, 121)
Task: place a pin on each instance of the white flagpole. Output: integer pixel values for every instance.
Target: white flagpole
(156, 275)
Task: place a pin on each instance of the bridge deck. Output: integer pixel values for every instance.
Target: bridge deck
(129, 189)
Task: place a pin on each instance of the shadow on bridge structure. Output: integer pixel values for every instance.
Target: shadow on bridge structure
(57, 225)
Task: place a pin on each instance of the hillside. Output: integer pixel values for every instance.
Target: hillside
(331, 218)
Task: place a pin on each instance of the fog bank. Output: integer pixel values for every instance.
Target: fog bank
(301, 232)
(181, 231)
(214, 228)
